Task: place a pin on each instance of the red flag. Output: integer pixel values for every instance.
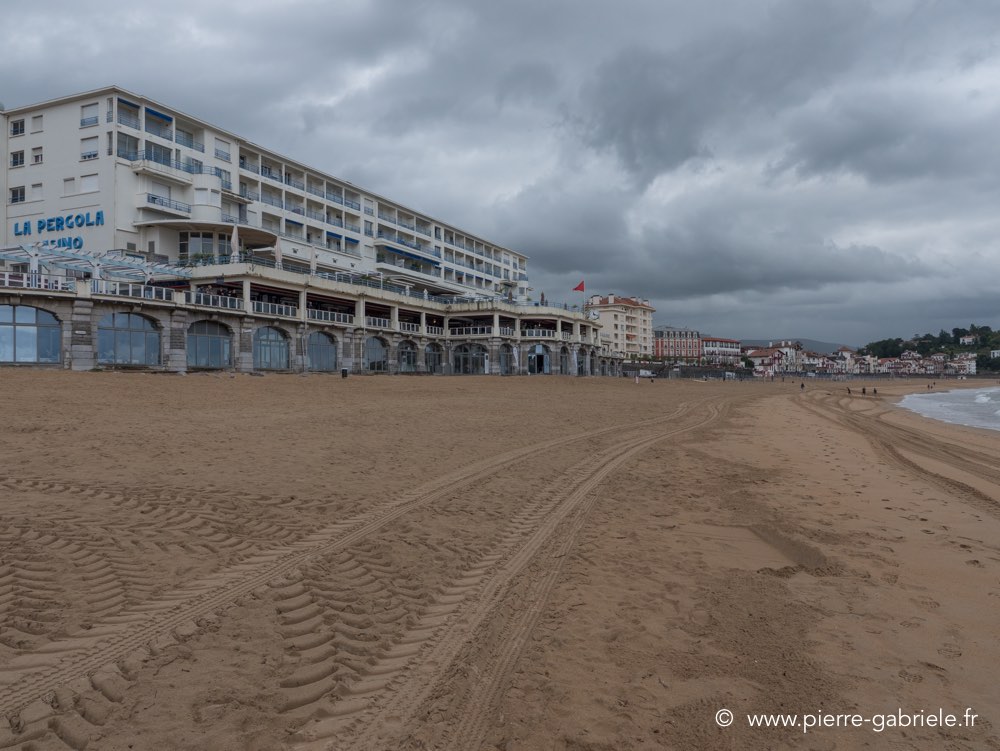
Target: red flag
(578, 288)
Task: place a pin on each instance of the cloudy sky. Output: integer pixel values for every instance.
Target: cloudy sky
(813, 168)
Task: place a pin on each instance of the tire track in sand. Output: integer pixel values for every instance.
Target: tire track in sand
(33, 676)
(374, 712)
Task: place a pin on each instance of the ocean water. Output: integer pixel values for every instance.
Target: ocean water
(978, 408)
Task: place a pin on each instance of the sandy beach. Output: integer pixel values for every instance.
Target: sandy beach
(507, 564)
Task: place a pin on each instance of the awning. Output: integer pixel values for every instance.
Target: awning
(334, 234)
(154, 113)
(351, 240)
(126, 101)
(111, 263)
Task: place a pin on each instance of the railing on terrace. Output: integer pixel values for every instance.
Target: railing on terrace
(126, 118)
(330, 315)
(335, 198)
(354, 227)
(271, 200)
(538, 333)
(128, 289)
(186, 140)
(318, 216)
(386, 217)
(168, 203)
(369, 211)
(378, 323)
(162, 131)
(29, 280)
(471, 331)
(274, 309)
(335, 221)
(250, 167)
(88, 121)
(223, 155)
(315, 191)
(297, 184)
(352, 204)
(506, 331)
(413, 328)
(214, 301)
(438, 330)
(300, 210)
(566, 335)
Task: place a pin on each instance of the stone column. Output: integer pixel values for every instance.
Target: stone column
(176, 342)
(81, 349)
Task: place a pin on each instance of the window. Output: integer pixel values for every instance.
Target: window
(376, 355)
(127, 339)
(36, 155)
(434, 358)
(29, 335)
(17, 159)
(69, 186)
(89, 148)
(88, 115)
(209, 345)
(36, 124)
(270, 349)
(17, 194)
(36, 192)
(322, 352)
(17, 127)
(88, 184)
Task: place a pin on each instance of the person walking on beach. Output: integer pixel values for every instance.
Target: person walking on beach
(863, 392)
(848, 390)
(874, 392)
(802, 387)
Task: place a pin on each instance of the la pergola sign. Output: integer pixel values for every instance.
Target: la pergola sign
(43, 228)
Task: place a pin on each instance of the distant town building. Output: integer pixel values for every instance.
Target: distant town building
(678, 344)
(718, 351)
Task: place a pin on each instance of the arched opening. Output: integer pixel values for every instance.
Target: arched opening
(470, 359)
(29, 334)
(434, 358)
(407, 357)
(539, 360)
(321, 352)
(564, 361)
(270, 349)
(209, 345)
(376, 355)
(127, 339)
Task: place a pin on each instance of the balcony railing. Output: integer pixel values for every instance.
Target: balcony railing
(271, 200)
(471, 331)
(214, 301)
(377, 323)
(250, 167)
(126, 289)
(538, 333)
(127, 118)
(86, 122)
(168, 203)
(274, 309)
(316, 191)
(163, 131)
(185, 140)
(88, 155)
(29, 280)
(352, 204)
(413, 328)
(292, 182)
(335, 221)
(223, 155)
(330, 315)
(335, 197)
(438, 330)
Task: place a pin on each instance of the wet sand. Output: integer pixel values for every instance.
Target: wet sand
(216, 562)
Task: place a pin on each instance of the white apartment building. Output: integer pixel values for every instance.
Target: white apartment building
(138, 236)
(716, 350)
(627, 323)
(111, 169)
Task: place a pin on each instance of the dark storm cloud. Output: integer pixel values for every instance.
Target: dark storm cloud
(748, 165)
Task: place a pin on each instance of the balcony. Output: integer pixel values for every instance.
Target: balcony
(168, 203)
(377, 323)
(34, 280)
(471, 331)
(435, 330)
(274, 309)
(538, 333)
(214, 301)
(223, 155)
(126, 289)
(330, 315)
(413, 328)
(185, 140)
(128, 119)
(158, 129)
